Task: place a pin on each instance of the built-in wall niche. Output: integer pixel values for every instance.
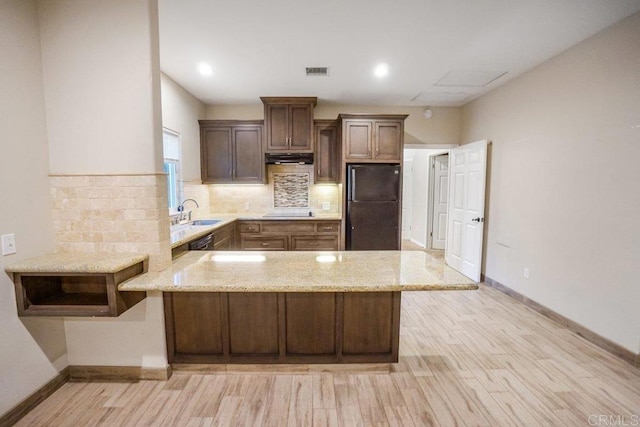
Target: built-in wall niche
(76, 294)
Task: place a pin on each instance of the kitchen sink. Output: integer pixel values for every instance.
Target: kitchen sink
(206, 221)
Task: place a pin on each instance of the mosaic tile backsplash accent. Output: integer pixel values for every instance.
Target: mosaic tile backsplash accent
(291, 190)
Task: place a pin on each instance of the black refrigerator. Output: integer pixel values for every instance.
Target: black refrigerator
(373, 207)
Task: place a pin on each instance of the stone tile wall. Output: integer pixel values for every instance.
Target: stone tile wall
(113, 213)
(252, 199)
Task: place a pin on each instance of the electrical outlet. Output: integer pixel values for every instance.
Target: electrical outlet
(8, 244)
(525, 273)
(326, 206)
(247, 206)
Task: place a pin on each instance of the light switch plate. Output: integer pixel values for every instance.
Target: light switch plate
(8, 244)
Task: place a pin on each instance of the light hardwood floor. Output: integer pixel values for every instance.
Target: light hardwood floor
(466, 358)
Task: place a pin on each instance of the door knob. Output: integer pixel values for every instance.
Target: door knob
(478, 219)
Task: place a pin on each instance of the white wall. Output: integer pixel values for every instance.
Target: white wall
(102, 81)
(420, 191)
(180, 113)
(32, 350)
(442, 128)
(564, 194)
(135, 338)
(102, 94)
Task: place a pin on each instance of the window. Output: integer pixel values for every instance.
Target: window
(172, 166)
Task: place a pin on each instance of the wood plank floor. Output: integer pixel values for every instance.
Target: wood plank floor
(466, 358)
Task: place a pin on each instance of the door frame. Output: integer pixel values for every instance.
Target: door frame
(431, 195)
(441, 149)
(405, 206)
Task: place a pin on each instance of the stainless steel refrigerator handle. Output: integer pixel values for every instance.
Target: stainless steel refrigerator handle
(353, 184)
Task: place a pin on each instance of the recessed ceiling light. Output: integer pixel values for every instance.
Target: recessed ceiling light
(205, 69)
(381, 70)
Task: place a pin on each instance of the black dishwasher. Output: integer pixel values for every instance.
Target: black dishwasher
(204, 243)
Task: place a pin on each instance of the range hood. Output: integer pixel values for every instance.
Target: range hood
(288, 158)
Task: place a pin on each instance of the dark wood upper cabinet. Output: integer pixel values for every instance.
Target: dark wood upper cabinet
(231, 151)
(327, 155)
(289, 124)
(358, 139)
(387, 140)
(372, 138)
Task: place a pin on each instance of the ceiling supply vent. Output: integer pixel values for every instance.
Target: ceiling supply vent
(317, 71)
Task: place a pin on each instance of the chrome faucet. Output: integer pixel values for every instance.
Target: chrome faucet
(181, 209)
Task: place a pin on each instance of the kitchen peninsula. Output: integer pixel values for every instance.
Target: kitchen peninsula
(290, 307)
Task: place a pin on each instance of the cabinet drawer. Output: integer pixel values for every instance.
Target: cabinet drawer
(263, 243)
(314, 243)
(249, 227)
(301, 226)
(328, 227)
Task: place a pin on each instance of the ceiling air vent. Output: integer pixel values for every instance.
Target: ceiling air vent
(317, 71)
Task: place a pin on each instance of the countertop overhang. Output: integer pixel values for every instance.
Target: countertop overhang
(77, 263)
(342, 271)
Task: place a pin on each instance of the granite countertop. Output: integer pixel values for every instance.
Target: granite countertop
(73, 262)
(182, 234)
(350, 271)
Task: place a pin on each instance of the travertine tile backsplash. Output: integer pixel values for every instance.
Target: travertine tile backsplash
(257, 198)
(113, 213)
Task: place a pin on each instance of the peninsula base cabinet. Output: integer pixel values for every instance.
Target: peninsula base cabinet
(284, 327)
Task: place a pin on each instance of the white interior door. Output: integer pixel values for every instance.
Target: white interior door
(465, 224)
(440, 201)
(407, 198)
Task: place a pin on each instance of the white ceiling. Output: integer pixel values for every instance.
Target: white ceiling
(261, 48)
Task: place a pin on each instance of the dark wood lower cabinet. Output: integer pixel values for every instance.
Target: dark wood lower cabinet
(368, 328)
(253, 323)
(197, 317)
(310, 312)
(263, 327)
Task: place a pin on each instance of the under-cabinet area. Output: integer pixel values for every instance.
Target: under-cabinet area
(282, 327)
